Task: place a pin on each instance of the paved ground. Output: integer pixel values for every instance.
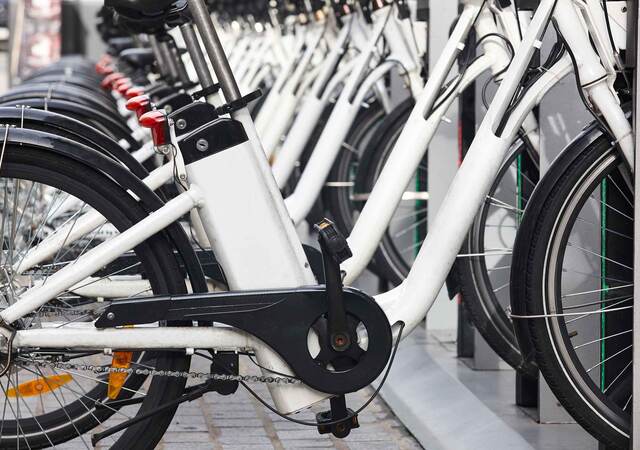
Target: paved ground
(239, 422)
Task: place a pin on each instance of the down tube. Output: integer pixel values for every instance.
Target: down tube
(405, 158)
(414, 297)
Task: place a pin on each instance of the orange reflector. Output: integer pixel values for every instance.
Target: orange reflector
(121, 360)
(39, 386)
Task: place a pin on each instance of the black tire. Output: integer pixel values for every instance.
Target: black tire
(337, 194)
(553, 222)
(161, 270)
(483, 277)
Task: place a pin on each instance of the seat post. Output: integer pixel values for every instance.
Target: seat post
(212, 44)
(183, 75)
(160, 58)
(197, 57)
(165, 49)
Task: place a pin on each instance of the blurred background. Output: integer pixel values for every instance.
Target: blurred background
(42, 31)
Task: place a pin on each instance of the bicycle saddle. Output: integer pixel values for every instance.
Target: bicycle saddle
(119, 44)
(138, 58)
(142, 7)
(147, 16)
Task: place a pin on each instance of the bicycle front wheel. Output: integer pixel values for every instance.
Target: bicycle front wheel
(577, 279)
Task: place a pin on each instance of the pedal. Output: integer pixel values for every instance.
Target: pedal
(332, 241)
(225, 363)
(327, 419)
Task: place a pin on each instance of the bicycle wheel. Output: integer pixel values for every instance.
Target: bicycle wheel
(575, 253)
(42, 404)
(484, 263)
(338, 191)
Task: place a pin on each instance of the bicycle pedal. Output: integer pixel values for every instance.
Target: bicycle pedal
(332, 241)
(329, 421)
(341, 429)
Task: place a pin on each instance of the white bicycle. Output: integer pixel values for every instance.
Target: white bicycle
(320, 341)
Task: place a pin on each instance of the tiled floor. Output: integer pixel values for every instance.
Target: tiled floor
(240, 422)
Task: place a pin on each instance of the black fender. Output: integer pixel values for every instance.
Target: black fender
(125, 178)
(65, 66)
(64, 126)
(102, 122)
(454, 279)
(64, 92)
(75, 80)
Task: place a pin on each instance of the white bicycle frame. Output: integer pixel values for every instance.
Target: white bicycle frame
(358, 86)
(255, 241)
(270, 104)
(286, 98)
(423, 122)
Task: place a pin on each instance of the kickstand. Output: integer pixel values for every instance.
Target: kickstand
(190, 394)
(223, 363)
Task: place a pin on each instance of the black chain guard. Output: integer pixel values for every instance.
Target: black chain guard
(282, 319)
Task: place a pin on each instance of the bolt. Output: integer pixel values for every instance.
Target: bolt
(111, 316)
(181, 124)
(340, 342)
(202, 145)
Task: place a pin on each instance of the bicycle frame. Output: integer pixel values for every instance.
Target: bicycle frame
(357, 87)
(286, 97)
(422, 125)
(234, 195)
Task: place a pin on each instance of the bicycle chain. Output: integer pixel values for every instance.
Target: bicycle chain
(98, 370)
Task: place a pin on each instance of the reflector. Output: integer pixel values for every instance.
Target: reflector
(121, 360)
(39, 386)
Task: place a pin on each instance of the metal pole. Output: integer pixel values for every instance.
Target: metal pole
(197, 56)
(169, 59)
(162, 64)
(183, 75)
(214, 49)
